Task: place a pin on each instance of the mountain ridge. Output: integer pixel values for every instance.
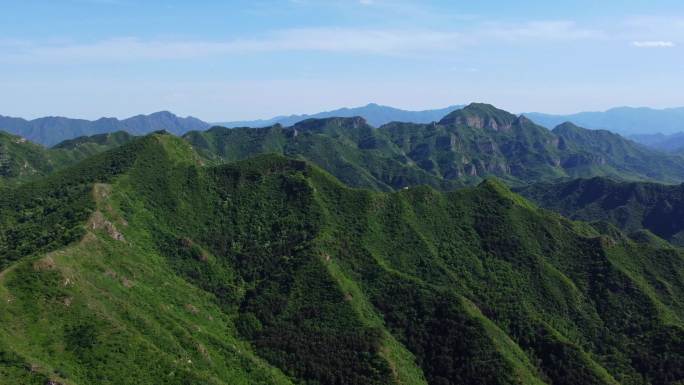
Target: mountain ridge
(22, 160)
(466, 146)
(375, 114)
(672, 143)
(622, 120)
(49, 131)
(270, 271)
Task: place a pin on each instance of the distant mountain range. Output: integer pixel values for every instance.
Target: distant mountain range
(376, 115)
(49, 131)
(622, 120)
(673, 143)
(626, 121)
(659, 129)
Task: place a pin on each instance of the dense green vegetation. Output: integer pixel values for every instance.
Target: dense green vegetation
(465, 147)
(615, 156)
(21, 160)
(143, 266)
(73, 150)
(631, 206)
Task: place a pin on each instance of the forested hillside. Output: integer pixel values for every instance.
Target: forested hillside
(144, 265)
(631, 206)
(22, 160)
(464, 148)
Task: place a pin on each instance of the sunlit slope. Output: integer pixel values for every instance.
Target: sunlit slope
(142, 265)
(22, 160)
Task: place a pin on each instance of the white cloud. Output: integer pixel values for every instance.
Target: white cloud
(330, 40)
(397, 42)
(653, 44)
(542, 31)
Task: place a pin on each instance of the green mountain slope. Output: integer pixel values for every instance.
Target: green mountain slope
(348, 148)
(21, 160)
(142, 266)
(481, 140)
(464, 148)
(603, 153)
(630, 206)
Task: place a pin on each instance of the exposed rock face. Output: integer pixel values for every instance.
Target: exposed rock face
(498, 168)
(445, 143)
(482, 123)
(481, 116)
(487, 147)
(471, 170)
(99, 222)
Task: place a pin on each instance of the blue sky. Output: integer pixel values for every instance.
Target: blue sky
(231, 60)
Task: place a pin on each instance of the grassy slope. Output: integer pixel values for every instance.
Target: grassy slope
(103, 310)
(270, 271)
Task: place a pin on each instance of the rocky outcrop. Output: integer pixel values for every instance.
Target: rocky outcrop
(99, 222)
(481, 116)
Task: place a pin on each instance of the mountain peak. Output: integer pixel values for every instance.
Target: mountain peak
(164, 113)
(480, 115)
(567, 126)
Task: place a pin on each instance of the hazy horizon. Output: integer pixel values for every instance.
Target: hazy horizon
(256, 118)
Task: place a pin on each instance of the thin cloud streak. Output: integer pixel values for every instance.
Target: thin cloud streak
(399, 42)
(653, 44)
(536, 31)
(379, 42)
